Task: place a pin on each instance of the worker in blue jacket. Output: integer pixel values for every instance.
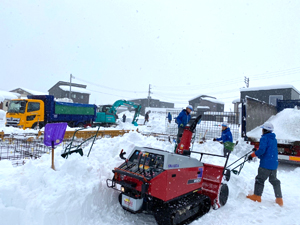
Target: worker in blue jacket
(226, 136)
(169, 117)
(268, 155)
(182, 120)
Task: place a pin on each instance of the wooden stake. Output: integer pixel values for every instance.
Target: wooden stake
(52, 166)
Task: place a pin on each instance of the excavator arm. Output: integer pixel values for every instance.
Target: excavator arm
(121, 102)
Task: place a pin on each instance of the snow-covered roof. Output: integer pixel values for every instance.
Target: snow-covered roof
(283, 86)
(201, 96)
(213, 100)
(75, 89)
(6, 95)
(34, 92)
(236, 101)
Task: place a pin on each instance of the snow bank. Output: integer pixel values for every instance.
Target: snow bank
(2, 118)
(76, 193)
(286, 125)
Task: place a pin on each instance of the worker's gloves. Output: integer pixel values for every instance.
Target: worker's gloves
(181, 125)
(214, 139)
(250, 157)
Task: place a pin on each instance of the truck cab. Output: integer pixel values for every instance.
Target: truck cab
(104, 116)
(25, 113)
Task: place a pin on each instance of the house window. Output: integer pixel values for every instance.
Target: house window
(74, 95)
(273, 99)
(81, 96)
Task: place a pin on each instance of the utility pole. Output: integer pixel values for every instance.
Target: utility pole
(246, 80)
(70, 86)
(149, 97)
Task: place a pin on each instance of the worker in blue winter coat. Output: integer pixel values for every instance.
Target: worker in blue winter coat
(182, 120)
(268, 155)
(169, 117)
(225, 137)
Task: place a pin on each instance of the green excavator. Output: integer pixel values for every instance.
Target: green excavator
(107, 114)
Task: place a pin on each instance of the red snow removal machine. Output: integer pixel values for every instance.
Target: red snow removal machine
(174, 187)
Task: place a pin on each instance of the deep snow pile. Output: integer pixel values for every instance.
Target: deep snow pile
(76, 193)
(286, 125)
(2, 118)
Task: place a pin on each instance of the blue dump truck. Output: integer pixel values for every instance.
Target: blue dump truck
(38, 110)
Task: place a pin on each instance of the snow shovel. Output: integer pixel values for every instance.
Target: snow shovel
(203, 139)
(54, 135)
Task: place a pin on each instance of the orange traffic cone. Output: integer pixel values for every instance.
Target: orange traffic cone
(255, 198)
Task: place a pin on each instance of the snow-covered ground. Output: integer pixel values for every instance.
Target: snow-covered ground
(76, 192)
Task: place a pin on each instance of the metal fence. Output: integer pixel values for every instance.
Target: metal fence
(20, 147)
(20, 150)
(210, 125)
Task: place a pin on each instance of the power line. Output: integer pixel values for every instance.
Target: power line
(221, 83)
(204, 85)
(107, 93)
(191, 95)
(278, 73)
(171, 92)
(110, 88)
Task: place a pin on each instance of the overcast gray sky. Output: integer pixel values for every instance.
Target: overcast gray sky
(182, 48)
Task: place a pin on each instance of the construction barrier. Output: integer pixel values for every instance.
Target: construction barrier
(85, 134)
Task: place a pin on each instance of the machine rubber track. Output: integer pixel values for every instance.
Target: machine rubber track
(183, 211)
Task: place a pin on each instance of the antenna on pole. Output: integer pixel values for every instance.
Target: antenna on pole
(246, 80)
(149, 97)
(70, 86)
